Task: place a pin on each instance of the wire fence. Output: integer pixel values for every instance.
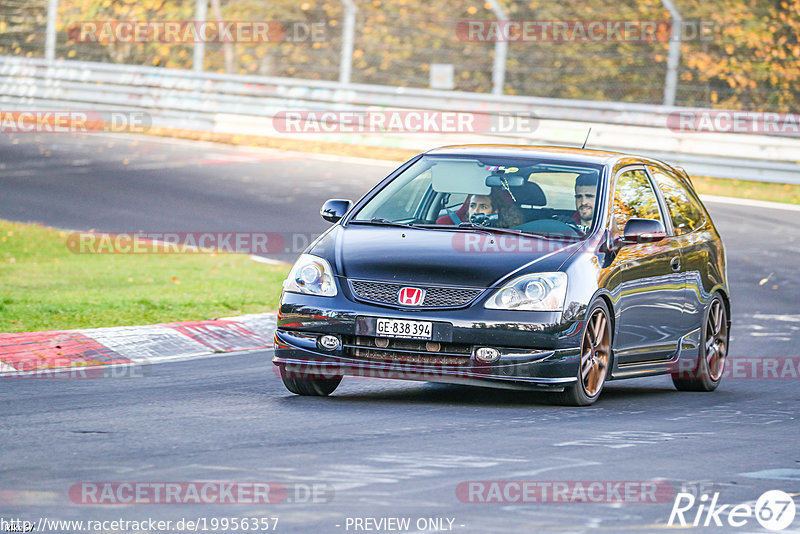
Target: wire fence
(448, 44)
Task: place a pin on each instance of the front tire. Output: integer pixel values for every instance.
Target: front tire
(713, 352)
(595, 359)
(311, 387)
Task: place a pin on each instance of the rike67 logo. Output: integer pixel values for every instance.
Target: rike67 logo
(774, 510)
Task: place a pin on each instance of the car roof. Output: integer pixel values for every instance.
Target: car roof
(581, 155)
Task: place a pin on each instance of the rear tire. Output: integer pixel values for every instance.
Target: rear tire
(714, 334)
(311, 387)
(595, 360)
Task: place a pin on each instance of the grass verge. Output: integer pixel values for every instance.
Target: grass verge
(704, 185)
(786, 193)
(44, 286)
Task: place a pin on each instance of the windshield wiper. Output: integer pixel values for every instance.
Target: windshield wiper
(488, 230)
(386, 222)
(494, 229)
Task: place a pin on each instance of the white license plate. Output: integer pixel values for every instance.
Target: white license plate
(400, 328)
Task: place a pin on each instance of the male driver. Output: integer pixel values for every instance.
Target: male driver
(585, 192)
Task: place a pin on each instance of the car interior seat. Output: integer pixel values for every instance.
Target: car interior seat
(460, 213)
(530, 201)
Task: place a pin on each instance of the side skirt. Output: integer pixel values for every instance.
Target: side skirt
(684, 358)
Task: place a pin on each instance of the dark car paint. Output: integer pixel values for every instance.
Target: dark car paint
(436, 256)
(657, 310)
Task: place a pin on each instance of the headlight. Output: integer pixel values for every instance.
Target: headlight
(532, 292)
(311, 275)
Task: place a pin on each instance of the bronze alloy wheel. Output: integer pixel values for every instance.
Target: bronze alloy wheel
(716, 342)
(595, 358)
(713, 352)
(595, 349)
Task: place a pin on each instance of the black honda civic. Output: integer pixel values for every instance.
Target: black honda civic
(544, 268)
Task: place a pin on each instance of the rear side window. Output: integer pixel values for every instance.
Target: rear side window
(684, 211)
(634, 198)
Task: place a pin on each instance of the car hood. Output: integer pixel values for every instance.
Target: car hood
(467, 258)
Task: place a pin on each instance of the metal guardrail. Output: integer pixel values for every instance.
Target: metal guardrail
(207, 101)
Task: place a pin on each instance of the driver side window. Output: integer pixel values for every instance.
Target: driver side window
(402, 203)
(633, 198)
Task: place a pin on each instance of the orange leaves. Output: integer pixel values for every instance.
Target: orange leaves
(747, 56)
(751, 53)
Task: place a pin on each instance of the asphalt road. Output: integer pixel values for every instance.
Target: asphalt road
(139, 183)
(375, 449)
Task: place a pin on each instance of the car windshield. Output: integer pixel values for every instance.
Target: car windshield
(550, 198)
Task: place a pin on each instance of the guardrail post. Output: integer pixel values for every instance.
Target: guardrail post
(50, 36)
(348, 38)
(500, 53)
(674, 54)
(200, 15)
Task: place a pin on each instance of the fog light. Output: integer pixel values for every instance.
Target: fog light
(487, 354)
(381, 342)
(329, 342)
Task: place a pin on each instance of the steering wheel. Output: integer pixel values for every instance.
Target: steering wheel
(569, 221)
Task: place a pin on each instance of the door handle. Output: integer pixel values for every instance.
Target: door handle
(675, 263)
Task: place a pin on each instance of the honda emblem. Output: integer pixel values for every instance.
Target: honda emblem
(410, 296)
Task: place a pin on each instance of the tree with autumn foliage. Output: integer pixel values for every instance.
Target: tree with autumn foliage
(753, 60)
(749, 58)
(72, 13)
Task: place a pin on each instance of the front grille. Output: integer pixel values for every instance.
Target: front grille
(435, 296)
(406, 351)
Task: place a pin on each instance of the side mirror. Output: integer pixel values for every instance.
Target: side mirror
(334, 209)
(643, 231)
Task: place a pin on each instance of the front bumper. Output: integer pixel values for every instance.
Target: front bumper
(538, 350)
